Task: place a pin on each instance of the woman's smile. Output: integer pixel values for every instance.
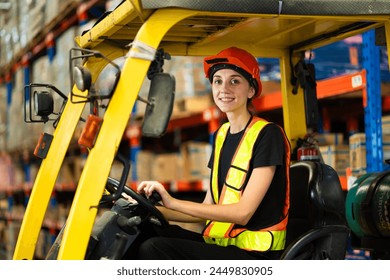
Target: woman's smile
(225, 98)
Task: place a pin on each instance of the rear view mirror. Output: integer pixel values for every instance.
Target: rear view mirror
(159, 105)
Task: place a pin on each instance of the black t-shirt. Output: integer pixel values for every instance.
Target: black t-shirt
(269, 150)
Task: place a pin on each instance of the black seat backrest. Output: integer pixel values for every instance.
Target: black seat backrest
(316, 198)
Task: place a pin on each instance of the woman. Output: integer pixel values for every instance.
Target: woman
(245, 209)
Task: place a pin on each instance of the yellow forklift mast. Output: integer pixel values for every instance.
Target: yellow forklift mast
(136, 30)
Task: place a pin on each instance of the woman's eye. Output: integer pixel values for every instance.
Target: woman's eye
(217, 81)
(235, 81)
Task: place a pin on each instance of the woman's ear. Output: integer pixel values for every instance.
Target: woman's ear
(252, 92)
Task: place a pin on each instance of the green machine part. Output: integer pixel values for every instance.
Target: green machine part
(368, 206)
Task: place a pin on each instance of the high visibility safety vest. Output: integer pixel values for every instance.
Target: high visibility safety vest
(223, 233)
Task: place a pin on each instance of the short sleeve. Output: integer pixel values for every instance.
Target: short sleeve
(269, 147)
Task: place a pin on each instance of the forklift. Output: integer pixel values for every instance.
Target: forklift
(129, 44)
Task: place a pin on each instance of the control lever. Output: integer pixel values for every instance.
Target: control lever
(155, 197)
(128, 224)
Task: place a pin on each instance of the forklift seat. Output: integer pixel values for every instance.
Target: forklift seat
(317, 227)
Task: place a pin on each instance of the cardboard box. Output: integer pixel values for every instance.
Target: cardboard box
(164, 168)
(198, 104)
(386, 125)
(330, 139)
(196, 156)
(357, 150)
(336, 156)
(167, 167)
(189, 76)
(143, 165)
(357, 153)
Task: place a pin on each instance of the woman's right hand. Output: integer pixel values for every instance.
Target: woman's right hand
(148, 187)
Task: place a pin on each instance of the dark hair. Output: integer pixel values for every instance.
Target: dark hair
(246, 75)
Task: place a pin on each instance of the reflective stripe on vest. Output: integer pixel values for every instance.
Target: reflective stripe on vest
(222, 233)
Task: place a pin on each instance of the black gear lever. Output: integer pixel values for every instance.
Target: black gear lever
(155, 197)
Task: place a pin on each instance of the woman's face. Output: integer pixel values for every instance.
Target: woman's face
(231, 91)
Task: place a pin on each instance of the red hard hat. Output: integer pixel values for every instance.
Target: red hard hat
(237, 59)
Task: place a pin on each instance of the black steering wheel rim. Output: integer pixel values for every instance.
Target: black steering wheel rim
(142, 201)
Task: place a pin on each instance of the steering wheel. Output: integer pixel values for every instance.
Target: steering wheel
(147, 204)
